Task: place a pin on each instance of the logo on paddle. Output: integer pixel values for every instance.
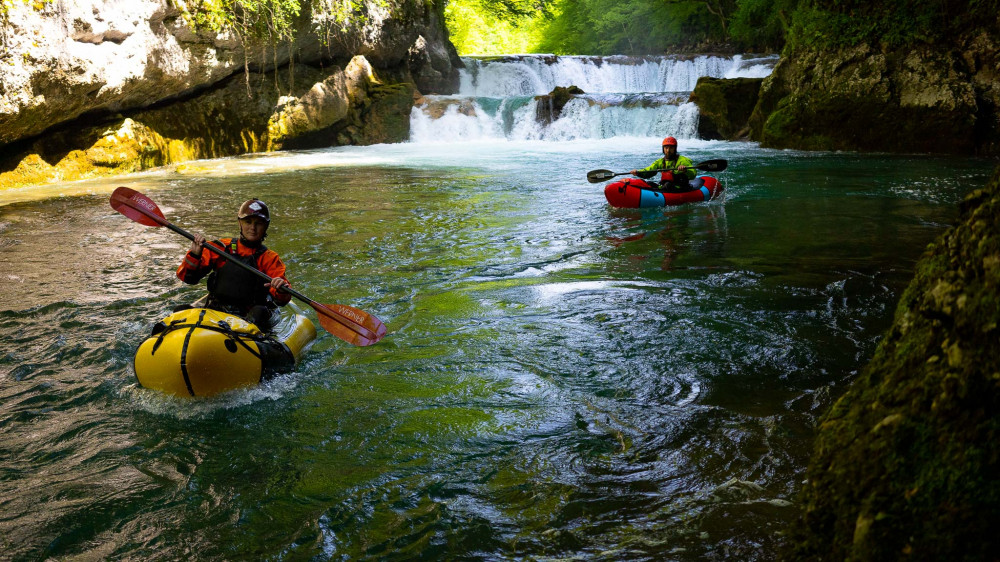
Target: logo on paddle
(344, 311)
(146, 203)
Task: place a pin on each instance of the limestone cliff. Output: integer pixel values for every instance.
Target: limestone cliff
(929, 98)
(905, 463)
(90, 88)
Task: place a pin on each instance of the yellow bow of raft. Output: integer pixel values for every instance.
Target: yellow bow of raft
(202, 352)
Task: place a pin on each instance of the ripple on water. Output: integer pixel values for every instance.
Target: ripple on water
(560, 379)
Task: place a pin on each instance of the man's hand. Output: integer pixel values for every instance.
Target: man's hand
(277, 283)
(196, 243)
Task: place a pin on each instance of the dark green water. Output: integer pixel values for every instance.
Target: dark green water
(560, 379)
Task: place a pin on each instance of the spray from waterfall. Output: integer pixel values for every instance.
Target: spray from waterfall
(624, 96)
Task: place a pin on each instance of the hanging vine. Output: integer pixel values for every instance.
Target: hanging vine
(268, 24)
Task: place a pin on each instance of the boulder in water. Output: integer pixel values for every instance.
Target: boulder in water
(550, 105)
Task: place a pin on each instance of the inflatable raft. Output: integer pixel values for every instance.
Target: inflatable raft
(634, 193)
(202, 352)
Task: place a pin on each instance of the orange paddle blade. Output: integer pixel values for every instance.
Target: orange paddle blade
(350, 324)
(137, 207)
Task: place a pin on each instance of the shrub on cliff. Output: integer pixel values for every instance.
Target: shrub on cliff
(894, 23)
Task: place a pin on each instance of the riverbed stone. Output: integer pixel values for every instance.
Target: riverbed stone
(905, 462)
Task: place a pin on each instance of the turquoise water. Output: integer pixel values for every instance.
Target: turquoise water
(560, 379)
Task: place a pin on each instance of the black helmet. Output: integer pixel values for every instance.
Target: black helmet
(254, 208)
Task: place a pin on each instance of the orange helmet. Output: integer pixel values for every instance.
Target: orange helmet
(669, 141)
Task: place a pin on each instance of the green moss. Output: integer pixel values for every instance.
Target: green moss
(387, 118)
(905, 462)
(825, 120)
(724, 106)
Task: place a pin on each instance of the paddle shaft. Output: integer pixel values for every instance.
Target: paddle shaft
(319, 307)
(595, 176)
(707, 166)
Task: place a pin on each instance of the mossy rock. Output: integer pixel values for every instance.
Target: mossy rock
(304, 107)
(905, 463)
(870, 98)
(819, 121)
(550, 105)
(725, 106)
(387, 118)
(121, 147)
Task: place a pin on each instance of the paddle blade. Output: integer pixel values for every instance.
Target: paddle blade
(595, 176)
(137, 207)
(713, 165)
(350, 324)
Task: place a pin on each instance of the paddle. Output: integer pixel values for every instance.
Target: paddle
(595, 176)
(350, 324)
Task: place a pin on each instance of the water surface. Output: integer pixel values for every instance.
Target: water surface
(559, 379)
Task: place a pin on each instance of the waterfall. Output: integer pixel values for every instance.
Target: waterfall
(625, 97)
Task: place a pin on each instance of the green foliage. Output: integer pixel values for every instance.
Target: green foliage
(761, 25)
(475, 31)
(583, 26)
(512, 11)
(653, 26)
(634, 27)
(894, 23)
(271, 21)
(255, 20)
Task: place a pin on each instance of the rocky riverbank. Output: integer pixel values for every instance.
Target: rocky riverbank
(725, 106)
(93, 88)
(905, 462)
(932, 98)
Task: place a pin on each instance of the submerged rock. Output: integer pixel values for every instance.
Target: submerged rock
(905, 463)
(436, 108)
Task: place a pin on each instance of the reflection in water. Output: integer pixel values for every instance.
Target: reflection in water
(689, 228)
(559, 379)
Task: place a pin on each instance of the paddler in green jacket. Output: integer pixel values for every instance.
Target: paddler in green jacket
(677, 171)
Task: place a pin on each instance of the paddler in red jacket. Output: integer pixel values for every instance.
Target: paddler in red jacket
(231, 288)
(678, 171)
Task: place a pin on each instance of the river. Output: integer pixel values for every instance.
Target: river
(560, 379)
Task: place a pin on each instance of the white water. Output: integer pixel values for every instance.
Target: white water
(536, 75)
(624, 97)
